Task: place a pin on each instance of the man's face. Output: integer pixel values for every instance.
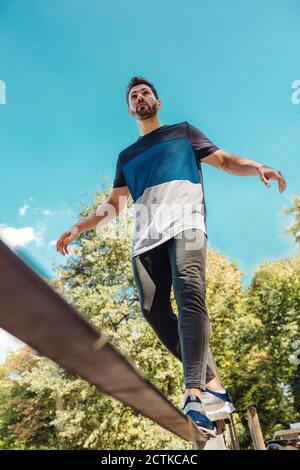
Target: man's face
(142, 102)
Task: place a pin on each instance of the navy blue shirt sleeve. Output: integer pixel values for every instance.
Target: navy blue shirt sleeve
(201, 144)
(119, 180)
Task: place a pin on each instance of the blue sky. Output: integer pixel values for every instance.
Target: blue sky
(225, 66)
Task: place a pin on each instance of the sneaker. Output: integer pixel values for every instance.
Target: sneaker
(194, 409)
(217, 405)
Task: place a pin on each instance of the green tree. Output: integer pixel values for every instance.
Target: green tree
(294, 212)
(98, 280)
(264, 347)
(253, 332)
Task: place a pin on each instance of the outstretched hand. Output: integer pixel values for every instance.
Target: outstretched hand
(68, 237)
(266, 173)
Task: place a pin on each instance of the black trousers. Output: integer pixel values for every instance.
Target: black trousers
(180, 261)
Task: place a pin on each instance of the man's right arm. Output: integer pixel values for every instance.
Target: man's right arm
(104, 214)
(107, 211)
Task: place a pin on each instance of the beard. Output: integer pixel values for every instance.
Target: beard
(146, 112)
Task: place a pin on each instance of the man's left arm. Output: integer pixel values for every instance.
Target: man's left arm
(239, 166)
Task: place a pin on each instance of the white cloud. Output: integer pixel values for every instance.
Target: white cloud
(19, 238)
(52, 243)
(8, 343)
(42, 211)
(23, 210)
(46, 212)
(49, 212)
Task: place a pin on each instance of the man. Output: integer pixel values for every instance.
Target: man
(162, 172)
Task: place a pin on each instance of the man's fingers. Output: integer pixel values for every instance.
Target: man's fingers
(64, 241)
(61, 242)
(65, 245)
(265, 180)
(274, 175)
(64, 249)
(67, 242)
(60, 246)
(61, 249)
(281, 185)
(282, 182)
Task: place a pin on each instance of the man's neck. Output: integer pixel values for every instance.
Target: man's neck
(149, 125)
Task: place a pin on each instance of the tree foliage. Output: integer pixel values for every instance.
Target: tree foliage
(254, 332)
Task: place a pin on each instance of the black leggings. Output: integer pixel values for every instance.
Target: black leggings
(179, 261)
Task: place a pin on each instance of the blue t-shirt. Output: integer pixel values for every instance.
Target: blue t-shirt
(162, 170)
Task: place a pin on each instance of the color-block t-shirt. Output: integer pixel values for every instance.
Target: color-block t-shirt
(163, 173)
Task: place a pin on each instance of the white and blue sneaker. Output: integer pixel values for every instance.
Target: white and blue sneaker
(217, 405)
(194, 409)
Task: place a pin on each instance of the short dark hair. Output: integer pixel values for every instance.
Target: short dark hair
(139, 81)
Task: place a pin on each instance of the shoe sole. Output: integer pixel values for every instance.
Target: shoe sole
(214, 412)
(208, 432)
